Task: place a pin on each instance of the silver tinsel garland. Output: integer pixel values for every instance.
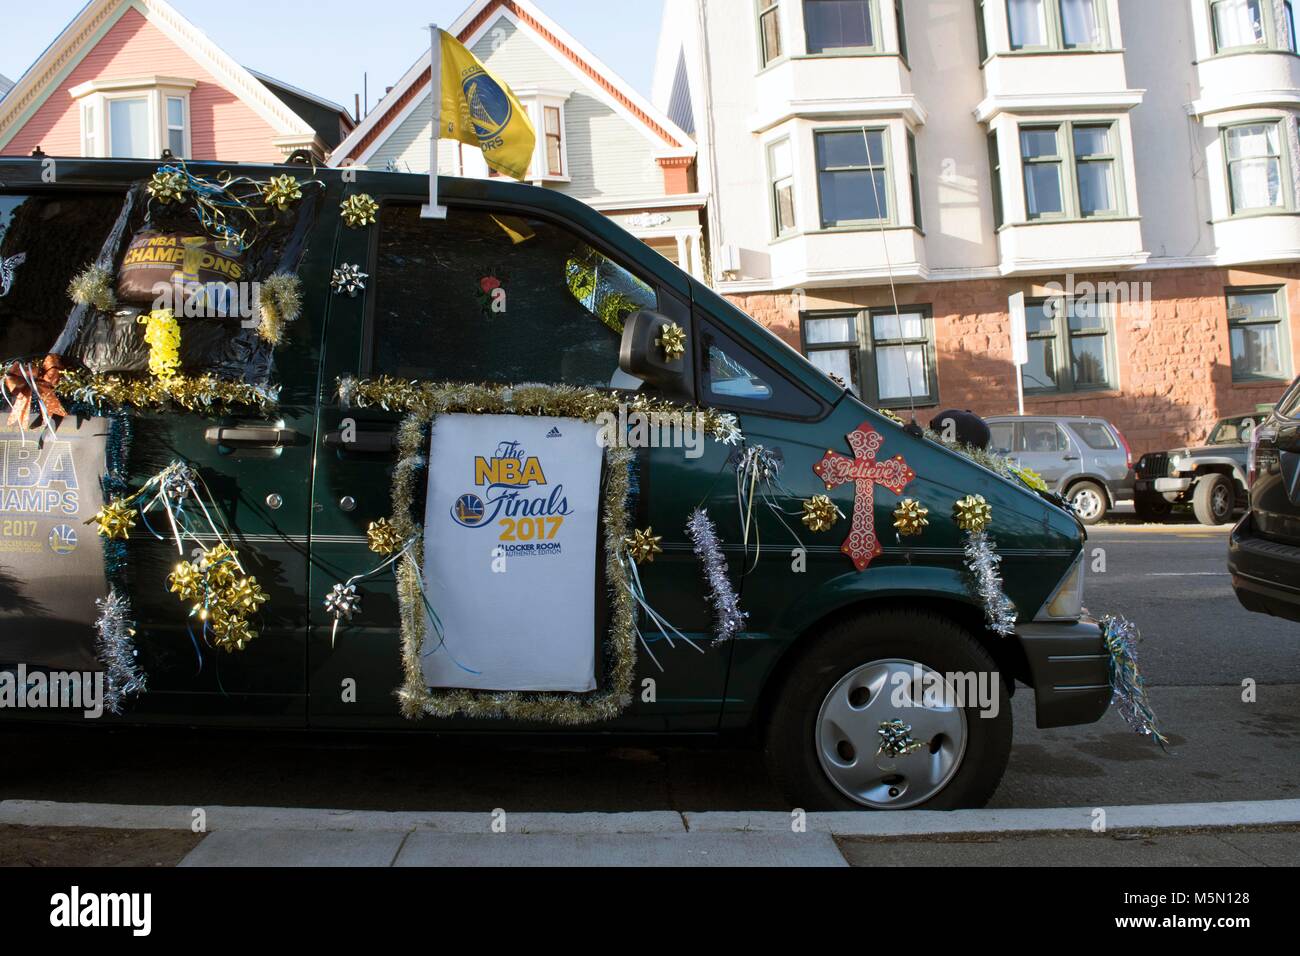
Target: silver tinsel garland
(727, 616)
(115, 647)
(982, 561)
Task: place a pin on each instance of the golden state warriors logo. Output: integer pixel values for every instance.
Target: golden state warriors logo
(489, 106)
(63, 539)
(512, 493)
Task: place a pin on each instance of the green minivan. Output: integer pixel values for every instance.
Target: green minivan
(833, 667)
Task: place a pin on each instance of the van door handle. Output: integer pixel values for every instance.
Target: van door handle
(363, 442)
(245, 436)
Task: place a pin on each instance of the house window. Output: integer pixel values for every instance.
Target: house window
(769, 30)
(995, 175)
(1253, 24)
(1044, 181)
(554, 141)
(1069, 345)
(1094, 165)
(852, 177)
(902, 29)
(1257, 333)
(781, 174)
(1070, 170)
(839, 25)
(886, 357)
(981, 31)
(1055, 24)
(915, 180)
(89, 130)
(128, 128)
(1255, 167)
(176, 125)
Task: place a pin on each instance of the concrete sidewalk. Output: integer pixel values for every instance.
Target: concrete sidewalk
(1246, 833)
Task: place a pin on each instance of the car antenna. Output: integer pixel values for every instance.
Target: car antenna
(893, 292)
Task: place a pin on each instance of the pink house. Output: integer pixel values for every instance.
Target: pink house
(130, 78)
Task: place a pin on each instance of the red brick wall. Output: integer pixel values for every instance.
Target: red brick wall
(1174, 366)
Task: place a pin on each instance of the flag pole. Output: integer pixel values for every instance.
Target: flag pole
(433, 210)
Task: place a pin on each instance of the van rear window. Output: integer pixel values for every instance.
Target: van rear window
(494, 297)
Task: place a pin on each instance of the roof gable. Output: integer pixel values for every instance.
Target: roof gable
(588, 71)
(80, 37)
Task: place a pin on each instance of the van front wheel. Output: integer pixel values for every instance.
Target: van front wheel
(836, 740)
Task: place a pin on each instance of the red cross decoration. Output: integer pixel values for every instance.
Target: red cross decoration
(865, 472)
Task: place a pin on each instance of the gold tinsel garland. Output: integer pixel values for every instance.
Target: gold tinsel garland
(93, 286)
(202, 393)
(559, 401)
(415, 697)
(280, 303)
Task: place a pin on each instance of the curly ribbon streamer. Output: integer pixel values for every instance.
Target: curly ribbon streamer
(1128, 686)
(25, 385)
(162, 333)
(758, 478)
(666, 630)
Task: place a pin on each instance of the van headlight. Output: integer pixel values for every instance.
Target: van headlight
(1066, 602)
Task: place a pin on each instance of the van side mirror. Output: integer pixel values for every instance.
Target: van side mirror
(641, 356)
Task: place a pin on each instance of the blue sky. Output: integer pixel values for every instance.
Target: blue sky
(324, 46)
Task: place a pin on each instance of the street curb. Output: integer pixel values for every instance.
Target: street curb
(1170, 816)
(909, 823)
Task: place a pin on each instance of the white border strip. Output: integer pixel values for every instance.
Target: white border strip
(902, 824)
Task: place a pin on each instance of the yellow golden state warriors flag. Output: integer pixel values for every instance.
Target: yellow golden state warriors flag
(479, 110)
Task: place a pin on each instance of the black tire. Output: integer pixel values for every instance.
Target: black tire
(1101, 502)
(1152, 507)
(1215, 499)
(929, 639)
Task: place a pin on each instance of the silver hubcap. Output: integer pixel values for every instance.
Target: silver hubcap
(847, 738)
(1221, 502)
(1087, 503)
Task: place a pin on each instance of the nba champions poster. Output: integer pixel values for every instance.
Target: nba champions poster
(510, 552)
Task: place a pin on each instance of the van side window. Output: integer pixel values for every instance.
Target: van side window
(1002, 439)
(1096, 435)
(734, 377)
(493, 297)
(45, 239)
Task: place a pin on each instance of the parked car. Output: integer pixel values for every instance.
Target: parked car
(1085, 460)
(809, 671)
(1264, 550)
(1210, 477)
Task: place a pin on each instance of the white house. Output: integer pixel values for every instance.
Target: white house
(949, 153)
(597, 138)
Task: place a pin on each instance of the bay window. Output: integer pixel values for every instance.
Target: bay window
(769, 31)
(1257, 167)
(852, 177)
(1253, 24)
(135, 118)
(1056, 24)
(840, 25)
(1070, 170)
(780, 165)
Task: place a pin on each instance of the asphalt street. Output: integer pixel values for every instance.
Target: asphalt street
(1199, 646)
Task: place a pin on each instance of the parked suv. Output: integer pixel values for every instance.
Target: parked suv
(1085, 460)
(589, 305)
(1212, 477)
(1264, 552)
